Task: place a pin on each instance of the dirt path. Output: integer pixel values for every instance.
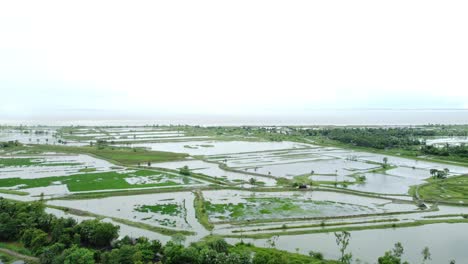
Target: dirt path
(18, 255)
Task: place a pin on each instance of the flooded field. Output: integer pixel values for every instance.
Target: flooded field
(295, 194)
(247, 206)
(446, 242)
(164, 209)
(214, 170)
(218, 147)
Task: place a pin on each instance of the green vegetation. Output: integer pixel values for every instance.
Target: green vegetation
(201, 212)
(119, 155)
(452, 190)
(165, 209)
(447, 150)
(14, 192)
(96, 181)
(268, 208)
(379, 138)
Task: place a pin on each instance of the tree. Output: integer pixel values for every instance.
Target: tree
(385, 161)
(184, 170)
(178, 238)
(218, 244)
(97, 234)
(342, 241)
(77, 255)
(394, 256)
(50, 253)
(252, 181)
(426, 254)
(34, 239)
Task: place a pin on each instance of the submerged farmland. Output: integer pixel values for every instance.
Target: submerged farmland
(241, 185)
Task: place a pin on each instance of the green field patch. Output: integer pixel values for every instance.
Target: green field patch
(452, 189)
(14, 192)
(262, 208)
(120, 155)
(165, 209)
(101, 180)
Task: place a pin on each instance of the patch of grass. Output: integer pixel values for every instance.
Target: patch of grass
(166, 209)
(292, 257)
(14, 192)
(119, 155)
(266, 208)
(17, 247)
(452, 190)
(16, 162)
(6, 258)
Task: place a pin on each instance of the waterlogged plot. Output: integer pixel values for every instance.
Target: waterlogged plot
(47, 165)
(385, 184)
(226, 206)
(122, 179)
(168, 210)
(33, 135)
(213, 170)
(446, 242)
(129, 135)
(409, 163)
(267, 157)
(208, 147)
(294, 162)
(337, 167)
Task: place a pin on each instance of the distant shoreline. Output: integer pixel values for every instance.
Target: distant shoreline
(343, 117)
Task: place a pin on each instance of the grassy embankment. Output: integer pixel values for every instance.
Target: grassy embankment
(201, 212)
(116, 155)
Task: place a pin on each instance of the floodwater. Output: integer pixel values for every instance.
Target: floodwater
(50, 166)
(311, 204)
(445, 242)
(218, 147)
(213, 170)
(126, 207)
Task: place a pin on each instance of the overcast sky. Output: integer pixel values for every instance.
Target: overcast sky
(231, 57)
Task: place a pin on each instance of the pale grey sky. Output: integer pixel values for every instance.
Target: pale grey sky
(231, 57)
